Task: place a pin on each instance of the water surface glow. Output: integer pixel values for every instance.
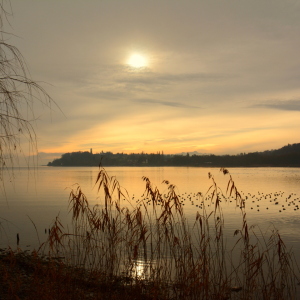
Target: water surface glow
(271, 196)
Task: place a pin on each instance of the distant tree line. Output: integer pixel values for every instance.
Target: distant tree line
(287, 156)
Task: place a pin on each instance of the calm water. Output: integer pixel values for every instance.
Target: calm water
(272, 197)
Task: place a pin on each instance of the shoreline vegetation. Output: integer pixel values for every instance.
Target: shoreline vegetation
(287, 156)
(147, 249)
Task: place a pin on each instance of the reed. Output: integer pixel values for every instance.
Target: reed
(150, 250)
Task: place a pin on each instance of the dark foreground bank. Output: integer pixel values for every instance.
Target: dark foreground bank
(25, 275)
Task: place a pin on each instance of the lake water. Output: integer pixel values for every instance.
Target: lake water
(37, 196)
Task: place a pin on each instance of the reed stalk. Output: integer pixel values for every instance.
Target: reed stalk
(152, 250)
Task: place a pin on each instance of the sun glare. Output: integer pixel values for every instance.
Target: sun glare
(137, 61)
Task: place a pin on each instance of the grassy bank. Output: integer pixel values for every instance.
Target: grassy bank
(149, 250)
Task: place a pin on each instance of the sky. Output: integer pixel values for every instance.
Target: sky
(212, 76)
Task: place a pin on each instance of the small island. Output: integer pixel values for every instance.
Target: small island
(287, 156)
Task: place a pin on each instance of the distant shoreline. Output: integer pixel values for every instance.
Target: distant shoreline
(287, 156)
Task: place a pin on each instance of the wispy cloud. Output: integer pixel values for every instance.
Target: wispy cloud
(291, 105)
(151, 78)
(165, 103)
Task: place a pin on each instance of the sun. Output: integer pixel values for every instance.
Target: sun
(137, 61)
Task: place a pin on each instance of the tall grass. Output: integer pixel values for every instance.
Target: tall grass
(150, 250)
(152, 244)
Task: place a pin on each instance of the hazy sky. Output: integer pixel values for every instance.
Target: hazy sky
(220, 76)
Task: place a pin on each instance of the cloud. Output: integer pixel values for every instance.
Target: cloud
(165, 103)
(291, 105)
(123, 84)
(208, 61)
(151, 78)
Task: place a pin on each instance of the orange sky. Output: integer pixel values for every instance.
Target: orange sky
(217, 76)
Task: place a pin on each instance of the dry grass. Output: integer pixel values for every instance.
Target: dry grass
(150, 251)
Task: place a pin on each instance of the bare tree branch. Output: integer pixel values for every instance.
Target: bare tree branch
(18, 96)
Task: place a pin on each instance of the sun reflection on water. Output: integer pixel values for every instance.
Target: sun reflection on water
(141, 269)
